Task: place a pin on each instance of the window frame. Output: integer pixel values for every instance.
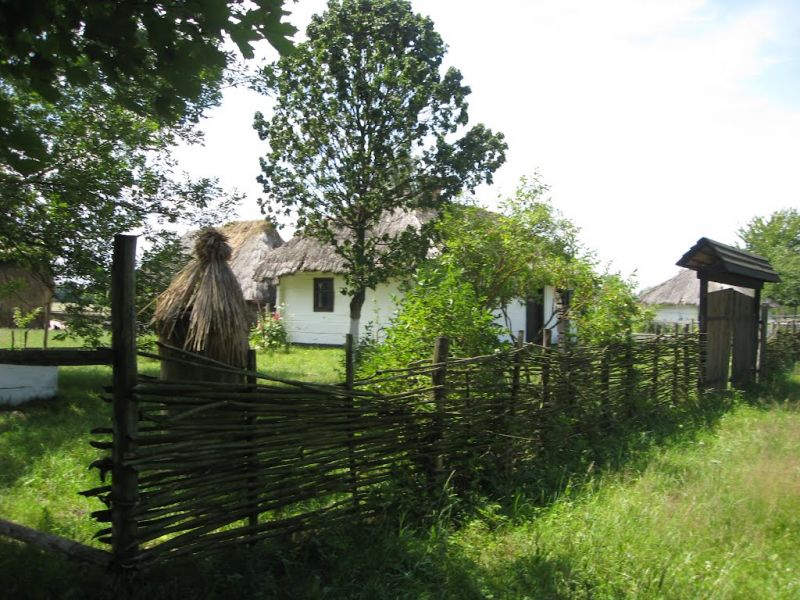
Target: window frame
(328, 283)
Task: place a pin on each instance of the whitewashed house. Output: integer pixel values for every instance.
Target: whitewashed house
(310, 276)
(677, 299)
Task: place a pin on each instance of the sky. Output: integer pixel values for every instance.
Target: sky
(654, 122)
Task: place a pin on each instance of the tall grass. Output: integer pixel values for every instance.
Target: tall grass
(709, 513)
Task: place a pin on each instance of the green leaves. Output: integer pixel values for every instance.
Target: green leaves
(164, 61)
(365, 124)
(777, 238)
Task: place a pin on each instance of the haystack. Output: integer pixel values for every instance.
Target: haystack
(251, 242)
(204, 311)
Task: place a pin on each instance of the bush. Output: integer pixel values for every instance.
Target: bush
(270, 332)
(441, 303)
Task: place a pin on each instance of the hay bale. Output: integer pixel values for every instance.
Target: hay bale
(204, 311)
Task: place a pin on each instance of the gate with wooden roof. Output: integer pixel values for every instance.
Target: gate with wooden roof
(729, 319)
(732, 338)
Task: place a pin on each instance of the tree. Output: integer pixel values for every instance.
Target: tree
(114, 173)
(163, 60)
(507, 255)
(777, 238)
(365, 124)
(528, 245)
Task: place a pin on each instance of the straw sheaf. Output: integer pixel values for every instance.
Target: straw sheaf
(251, 242)
(684, 288)
(308, 254)
(208, 293)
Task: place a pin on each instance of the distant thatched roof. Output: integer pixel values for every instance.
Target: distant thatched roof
(308, 254)
(684, 288)
(251, 243)
(22, 288)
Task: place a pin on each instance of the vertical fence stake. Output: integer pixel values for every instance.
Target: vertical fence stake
(546, 335)
(349, 378)
(252, 465)
(125, 480)
(675, 362)
(512, 401)
(762, 346)
(656, 365)
(439, 381)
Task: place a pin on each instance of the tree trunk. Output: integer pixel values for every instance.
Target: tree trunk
(356, 302)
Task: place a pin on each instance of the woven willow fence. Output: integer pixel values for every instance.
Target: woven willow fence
(783, 346)
(223, 464)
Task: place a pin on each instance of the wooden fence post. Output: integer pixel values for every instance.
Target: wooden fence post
(512, 401)
(125, 480)
(439, 381)
(605, 380)
(762, 345)
(349, 378)
(675, 362)
(629, 378)
(546, 337)
(252, 465)
(656, 367)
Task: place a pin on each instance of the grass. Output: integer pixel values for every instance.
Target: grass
(713, 517)
(709, 513)
(36, 339)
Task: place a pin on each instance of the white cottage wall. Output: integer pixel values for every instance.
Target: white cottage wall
(304, 325)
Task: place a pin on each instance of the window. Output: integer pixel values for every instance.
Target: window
(323, 294)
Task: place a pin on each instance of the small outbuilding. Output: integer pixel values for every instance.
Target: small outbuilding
(729, 319)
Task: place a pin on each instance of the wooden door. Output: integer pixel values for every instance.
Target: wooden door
(718, 344)
(731, 344)
(744, 327)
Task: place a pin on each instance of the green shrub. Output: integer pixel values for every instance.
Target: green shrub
(440, 303)
(270, 332)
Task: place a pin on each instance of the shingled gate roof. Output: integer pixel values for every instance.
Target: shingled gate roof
(725, 264)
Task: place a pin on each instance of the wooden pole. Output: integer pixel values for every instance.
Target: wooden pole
(762, 346)
(125, 480)
(48, 541)
(656, 366)
(703, 328)
(546, 336)
(252, 465)
(46, 328)
(512, 402)
(349, 378)
(439, 381)
(675, 362)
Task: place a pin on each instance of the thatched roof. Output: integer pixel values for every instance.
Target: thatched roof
(251, 242)
(24, 289)
(684, 288)
(308, 254)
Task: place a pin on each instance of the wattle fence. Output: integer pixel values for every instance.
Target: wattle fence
(213, 465)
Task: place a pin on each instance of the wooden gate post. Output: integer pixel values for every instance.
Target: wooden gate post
(702, 323)
(125, 480)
